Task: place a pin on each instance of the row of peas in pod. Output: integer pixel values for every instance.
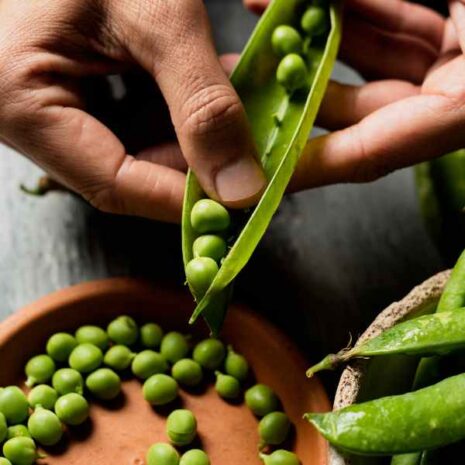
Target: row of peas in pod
(289, 44)
(89, 363)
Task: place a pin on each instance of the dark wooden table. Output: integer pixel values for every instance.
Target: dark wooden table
(331, 260)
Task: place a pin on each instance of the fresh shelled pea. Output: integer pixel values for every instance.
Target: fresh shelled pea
(200, 273)
(181, 427)
(209, 353)
(286, 40)
(72, 409)
(93, 335)
(3, 427)
(43, 396)
(174, 346)
(60, 346)
(17, 431)
(14, 405)
(85, 358)
(104, 384)
(194, 457)
(227, 386)
(148, 363)
(160, 389)
(208, 216)
(123, 330)
(119, 357)
(274, 428)
(39, 369)
(210, 246)
(187, 372)
(20, 451)
(45, 427)
(261, 400)
(162, 454)
(151, 335)
(315, 21)
(292, 72)
(4, 461)
(280, 457)
(236, 365)
(67, 380)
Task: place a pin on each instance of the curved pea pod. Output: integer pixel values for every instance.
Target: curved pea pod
(437, 334)
(425, 419)
(280, 123)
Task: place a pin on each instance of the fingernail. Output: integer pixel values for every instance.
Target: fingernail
(241, 183)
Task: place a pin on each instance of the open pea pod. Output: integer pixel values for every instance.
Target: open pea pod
(280, 123)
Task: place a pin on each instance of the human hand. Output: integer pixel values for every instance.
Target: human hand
(413, 107)
(121, 153)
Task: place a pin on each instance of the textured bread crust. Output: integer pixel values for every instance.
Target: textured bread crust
(423, 295)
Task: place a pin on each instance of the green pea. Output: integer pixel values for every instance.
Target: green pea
(315, 21)
(20, 451)
(208, 216)
(93, 335)
(162, 454)
(174, 347)
(274, 428)
(60, 346)
(151, 335)
(187, 372)
(181, 427)
(160, 389)
(227, 386)
(42, 396)
(67, 380)
(119, 357)
(236, 365)
(14, 405)
(209, 353)
(72, 409)
(280, 457)
(45, 427)
(194, 457)
(4, 461)
(261, 400)
(148, 363)
(200, 273)
(123, 331)
(292, 72)
(104, 384)
(210, 246)
(85, 358)
(39, 370)
(17, 431)
(285, 40)
(3, 427)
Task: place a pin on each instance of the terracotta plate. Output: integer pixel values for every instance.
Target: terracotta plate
(120, 433)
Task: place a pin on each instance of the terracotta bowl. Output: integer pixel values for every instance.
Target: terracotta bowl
(370, 379)
(121, 432)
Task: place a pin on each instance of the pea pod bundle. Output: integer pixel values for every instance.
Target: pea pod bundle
(281, 107)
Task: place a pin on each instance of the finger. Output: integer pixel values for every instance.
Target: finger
(168, 154)
(345, 105)
(380, 55)
(401, 17)
(207, 113)
(257, 6)
(401, 134)
(457, 14)
(84, 155)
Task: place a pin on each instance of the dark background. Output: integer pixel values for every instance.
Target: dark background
(331, 260)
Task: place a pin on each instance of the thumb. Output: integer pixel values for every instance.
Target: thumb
(208, 116)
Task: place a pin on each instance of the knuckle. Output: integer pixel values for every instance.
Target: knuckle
(210, 110)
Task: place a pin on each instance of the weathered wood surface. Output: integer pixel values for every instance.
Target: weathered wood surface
(332, 259)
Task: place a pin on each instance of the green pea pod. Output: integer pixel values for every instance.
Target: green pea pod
(280, 124)
(425, 419)
(437, 334)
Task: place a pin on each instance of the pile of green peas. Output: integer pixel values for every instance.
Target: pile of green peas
(88, 364)
(211, 221)
(292, 45)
